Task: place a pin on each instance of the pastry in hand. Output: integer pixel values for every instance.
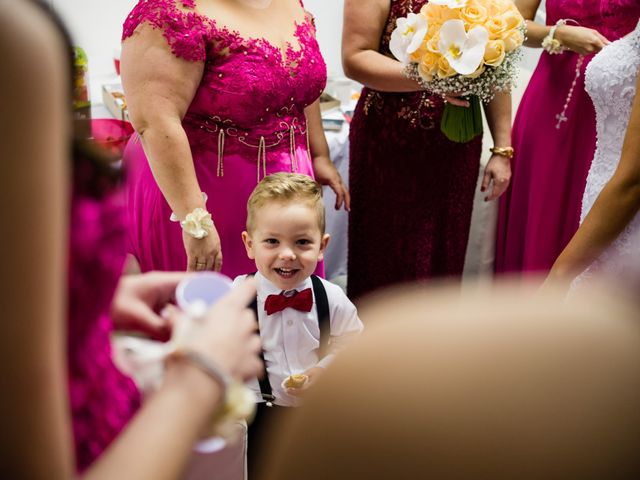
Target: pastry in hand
(295, 381)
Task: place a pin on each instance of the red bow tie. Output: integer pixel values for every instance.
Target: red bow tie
(302, 301)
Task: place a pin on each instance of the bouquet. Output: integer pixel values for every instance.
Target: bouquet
(461, 47)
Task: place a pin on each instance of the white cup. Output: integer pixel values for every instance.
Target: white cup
(202, 290)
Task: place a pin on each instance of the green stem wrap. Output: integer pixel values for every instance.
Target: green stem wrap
(461, 124)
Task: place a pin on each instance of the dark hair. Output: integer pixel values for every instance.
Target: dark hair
(93, 173)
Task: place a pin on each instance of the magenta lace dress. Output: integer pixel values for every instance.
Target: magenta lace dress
(246, 121)
(540, 212)
(411, 188)
(102, 399)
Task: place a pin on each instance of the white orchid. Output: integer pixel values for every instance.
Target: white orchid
(408, 36)
(450, 3)
(463, 50)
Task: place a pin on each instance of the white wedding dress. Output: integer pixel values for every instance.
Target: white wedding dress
(610, 80)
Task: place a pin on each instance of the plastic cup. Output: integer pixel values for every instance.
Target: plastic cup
(204, 288)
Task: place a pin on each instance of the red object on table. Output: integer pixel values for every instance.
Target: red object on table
(111, 134)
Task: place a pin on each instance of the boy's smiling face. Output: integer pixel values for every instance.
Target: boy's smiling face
(286, 242)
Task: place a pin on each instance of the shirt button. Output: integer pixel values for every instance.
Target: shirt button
(289, 322)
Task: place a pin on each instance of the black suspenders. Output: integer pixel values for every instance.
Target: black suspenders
(322, 309)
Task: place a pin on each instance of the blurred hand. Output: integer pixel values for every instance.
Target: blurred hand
(327, 174)
(228, 333)
(204, 253)
(457, 100)
(581, 40)
(139, 299)
(497, 174)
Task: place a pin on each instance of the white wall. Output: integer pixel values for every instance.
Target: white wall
(96, 26)
(328, 15)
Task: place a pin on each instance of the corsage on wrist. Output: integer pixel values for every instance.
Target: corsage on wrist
(550, 43)
(198, 223)
(237, 400)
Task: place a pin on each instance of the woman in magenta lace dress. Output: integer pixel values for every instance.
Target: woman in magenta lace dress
(412, 188)
(221, 93)
(59, 383)
(554, 133)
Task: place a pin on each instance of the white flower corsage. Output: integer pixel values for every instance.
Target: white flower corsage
(198, 223)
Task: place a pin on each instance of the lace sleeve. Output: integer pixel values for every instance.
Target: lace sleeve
(184, 30)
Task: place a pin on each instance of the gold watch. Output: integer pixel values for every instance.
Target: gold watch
(504, 151)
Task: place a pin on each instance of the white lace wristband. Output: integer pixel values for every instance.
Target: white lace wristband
(551, 44)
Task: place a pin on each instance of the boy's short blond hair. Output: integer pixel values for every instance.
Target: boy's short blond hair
(285, 188)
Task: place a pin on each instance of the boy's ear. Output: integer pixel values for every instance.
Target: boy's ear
(323, 245)
(248, 244)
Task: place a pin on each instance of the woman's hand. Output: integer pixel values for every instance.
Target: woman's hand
(497, 172)
(456, 99)
(204, 253)
(581, 40)
(139, 299)
(228, 333)
(327, 174)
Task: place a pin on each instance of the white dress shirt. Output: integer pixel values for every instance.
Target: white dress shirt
(291, 338)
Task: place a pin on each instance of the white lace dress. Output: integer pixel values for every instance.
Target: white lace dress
(610, 80)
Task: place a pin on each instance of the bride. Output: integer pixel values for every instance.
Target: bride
(608, 239)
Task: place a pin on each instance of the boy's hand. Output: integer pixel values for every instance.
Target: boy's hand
(313, 374)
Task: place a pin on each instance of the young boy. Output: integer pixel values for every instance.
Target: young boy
(286, 238)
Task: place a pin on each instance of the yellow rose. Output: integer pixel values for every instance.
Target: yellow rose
(418, 54)
(428, 66)
(432, 44)
(498, 7)
(496, 27)
(494, 53)
(512, 40)
(512, 19)
(474, 14)
(438, 14)
(444, 69)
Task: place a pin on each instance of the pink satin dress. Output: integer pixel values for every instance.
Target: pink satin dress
(540, 212)
(246, 121)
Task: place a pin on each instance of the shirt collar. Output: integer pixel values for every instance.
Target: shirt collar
(265, 287)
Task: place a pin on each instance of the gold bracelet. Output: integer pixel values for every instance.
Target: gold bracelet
(504, 151)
